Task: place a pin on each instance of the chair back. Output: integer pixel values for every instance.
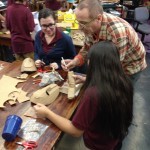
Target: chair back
(141, 14)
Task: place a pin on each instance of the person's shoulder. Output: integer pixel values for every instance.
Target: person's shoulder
(38, 34)
(91, 95)
(26, 8)
(91, 90)
(64, 35)
(10, 7)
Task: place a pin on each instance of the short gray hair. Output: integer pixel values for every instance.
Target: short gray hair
(94, 7)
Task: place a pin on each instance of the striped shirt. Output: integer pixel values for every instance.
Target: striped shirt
(131, 50)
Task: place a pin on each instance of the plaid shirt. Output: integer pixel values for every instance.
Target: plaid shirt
(131, 50)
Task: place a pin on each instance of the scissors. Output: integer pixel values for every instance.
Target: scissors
(41, 69)
(28, 144)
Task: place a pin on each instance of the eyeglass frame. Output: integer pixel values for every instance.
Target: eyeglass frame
(84, 25)
(50, 25)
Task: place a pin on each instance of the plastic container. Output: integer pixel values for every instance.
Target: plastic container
(11, 127)
(68, 29)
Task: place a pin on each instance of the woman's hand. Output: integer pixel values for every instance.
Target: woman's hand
(39, 63)
(79, 79)
(41, 110)
(54, 65)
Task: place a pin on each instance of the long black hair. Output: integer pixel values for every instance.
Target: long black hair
(115, 90)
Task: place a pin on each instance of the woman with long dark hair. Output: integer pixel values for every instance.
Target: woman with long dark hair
(106, 108)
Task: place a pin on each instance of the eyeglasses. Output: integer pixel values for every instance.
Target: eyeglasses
(84, 24)
(50, 25)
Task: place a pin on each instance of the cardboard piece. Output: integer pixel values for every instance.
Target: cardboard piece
(11, 102)
(30, 113)
(64, 24)
(64, 88)
(45, 95)
(71, 88)
(28, 65)
(21, 97)
(9, 85)
(22, 76)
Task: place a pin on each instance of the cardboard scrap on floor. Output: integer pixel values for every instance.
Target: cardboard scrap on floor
(9, 91)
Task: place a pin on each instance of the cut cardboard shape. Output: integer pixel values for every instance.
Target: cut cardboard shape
(9, 85)
(71, 82)
(22, 76)
(71, 93)
(64, 88)
(30, 113)
(45, 95)
(11, 102)
(13, 95)
(22, 96)
(28, 65)
(19, 95)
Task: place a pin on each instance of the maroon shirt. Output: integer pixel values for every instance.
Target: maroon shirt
(87, 119)
(48, 47)
(20, 22)
(52, 4)
(9, 2)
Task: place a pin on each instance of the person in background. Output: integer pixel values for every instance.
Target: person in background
(9, 2)
(100, 26)
(106, 109)
(2, 18)
(50, 43)
(20, 22)
(54, 4)
(70, 4)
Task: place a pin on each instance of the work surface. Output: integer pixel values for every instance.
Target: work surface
(61, 106)
(5, 39)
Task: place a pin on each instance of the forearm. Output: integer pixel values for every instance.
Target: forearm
(81, 57)
(64, 124)
(2, 18)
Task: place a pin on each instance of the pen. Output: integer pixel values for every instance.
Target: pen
(63, 61)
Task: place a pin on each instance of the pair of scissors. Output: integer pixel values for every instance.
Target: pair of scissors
(28, 144)
(41, 69)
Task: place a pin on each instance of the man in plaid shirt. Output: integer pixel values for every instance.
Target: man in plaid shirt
(100, 26)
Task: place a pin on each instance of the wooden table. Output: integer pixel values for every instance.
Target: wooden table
(61, 106)
(5, 39)
(77, 42)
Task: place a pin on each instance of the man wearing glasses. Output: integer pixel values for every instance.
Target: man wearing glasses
(50, 43)
(100, 26)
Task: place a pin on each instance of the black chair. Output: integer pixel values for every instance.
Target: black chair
(141, 18)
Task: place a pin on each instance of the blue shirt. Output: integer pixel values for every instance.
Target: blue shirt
(62, 47)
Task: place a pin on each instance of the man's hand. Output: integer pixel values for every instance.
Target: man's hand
(68, 64)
